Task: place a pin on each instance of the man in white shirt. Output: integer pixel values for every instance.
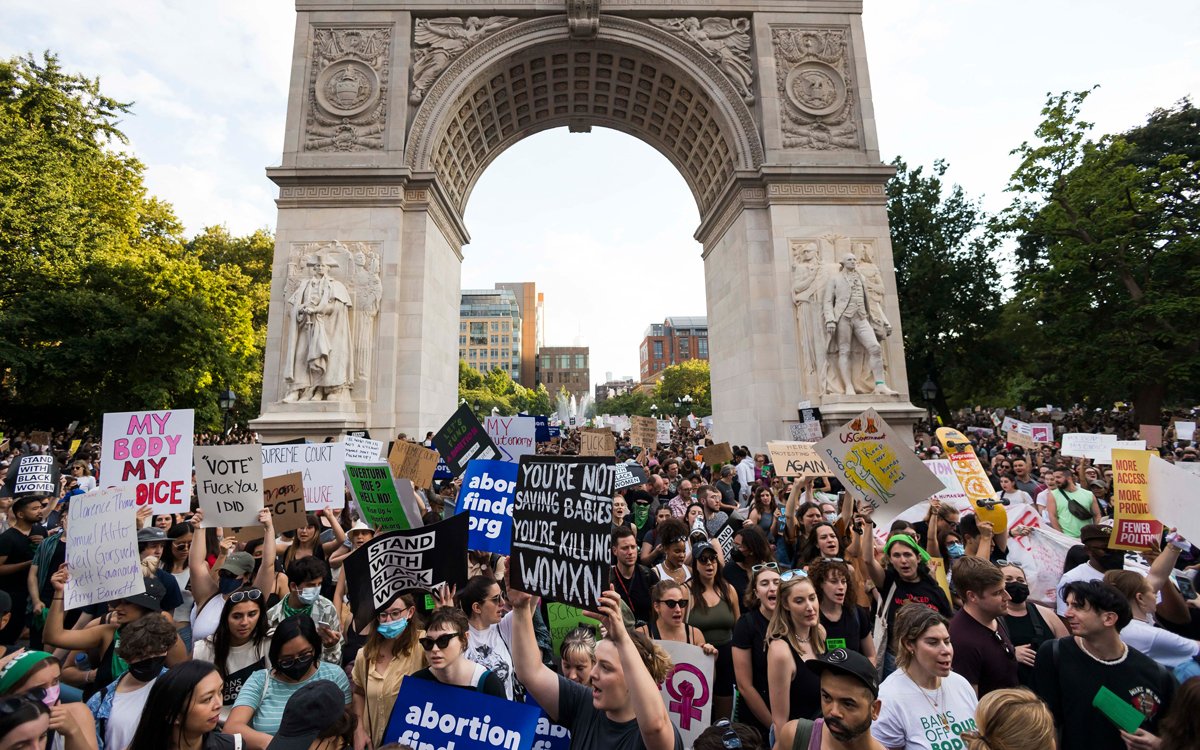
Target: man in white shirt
(745, 477)
(1100, 560)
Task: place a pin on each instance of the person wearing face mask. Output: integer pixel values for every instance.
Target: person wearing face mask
(239, 646)
(1029, 624)
(1100, 560)
(390, 654)
(295, 659)
(36, 674)
(118, 706)
(305, 577)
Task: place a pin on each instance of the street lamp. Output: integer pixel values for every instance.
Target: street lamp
(226, 401)
(654, 410)
(687, 403)
(929, 391)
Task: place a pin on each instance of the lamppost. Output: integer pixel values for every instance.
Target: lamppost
(654, 410)
(226, 401)
(929, 391)
(687, 404)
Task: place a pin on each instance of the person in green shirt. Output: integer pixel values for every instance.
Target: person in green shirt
(1068, 495)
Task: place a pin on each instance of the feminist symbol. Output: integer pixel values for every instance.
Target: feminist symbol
(684, 693)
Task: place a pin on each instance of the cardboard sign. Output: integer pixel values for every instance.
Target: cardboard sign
(513, 436)
(1097, 447)
(1152, 434)
(284, 497)
(663, 431)
(872, 462)
(1042, 432)
(563, 618)
(720, 453)
(688, 689)
(40, 437)
(359, 449)
(628, 474)
(792, 459)
(321, 466)
(597, 442)
(151, 453)
(400, 562)
(462, 439)
(375, 492)
(643, 433)
(1173, 492)
(1134, 526)
(102, 550)
(413, 462)
(229, 484)
(1018, 438)
(487, 496)
(32, 474)
(431, 716)
(562, 525)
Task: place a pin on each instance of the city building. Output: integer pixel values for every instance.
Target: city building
(529, 302)
(489, 330)
(564, 367)
(613, 388)
(676, 339)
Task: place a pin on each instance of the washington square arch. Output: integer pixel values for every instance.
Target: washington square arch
(397, 107)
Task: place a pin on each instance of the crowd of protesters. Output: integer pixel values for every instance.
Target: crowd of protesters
(826, 632)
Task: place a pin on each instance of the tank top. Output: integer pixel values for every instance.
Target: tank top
(1031, 630)
(716, 622)
(652, 626)
(805, 698)
(663, 575)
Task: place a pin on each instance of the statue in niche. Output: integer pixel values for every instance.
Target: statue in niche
(319, 358)
(852, 315)
(809, 276)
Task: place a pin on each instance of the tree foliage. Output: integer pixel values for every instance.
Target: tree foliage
(688, 378)
(497, 389)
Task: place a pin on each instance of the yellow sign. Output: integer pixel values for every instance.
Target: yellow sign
(1134, 528)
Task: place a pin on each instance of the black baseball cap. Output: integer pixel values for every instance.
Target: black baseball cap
(152, 598)
(311, 710)
(847, 662)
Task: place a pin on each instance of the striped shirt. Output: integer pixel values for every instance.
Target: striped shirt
(268, 704)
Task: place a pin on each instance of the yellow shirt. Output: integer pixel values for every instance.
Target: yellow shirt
(380, 689)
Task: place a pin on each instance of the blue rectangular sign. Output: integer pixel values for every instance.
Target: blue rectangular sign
(428, 714)
(487, 494)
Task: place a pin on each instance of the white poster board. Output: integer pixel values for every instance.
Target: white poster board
(1097, 447)
(321, 466)
(102, 551)
(688, 689)
(359, 449)
(150, 453)
(514, 436)
(229, 484)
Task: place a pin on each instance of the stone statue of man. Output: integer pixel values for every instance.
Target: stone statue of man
(319, 364)
(850, 316)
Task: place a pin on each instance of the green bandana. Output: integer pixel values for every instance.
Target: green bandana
(17, 669)
(289, 612)
(906, 540)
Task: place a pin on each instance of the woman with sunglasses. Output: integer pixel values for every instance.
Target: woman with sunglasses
(211, 586)
(715, 610)
(390, 654)
(750, 548)
(24, 723)
(445, 647)
(750, 648)
(37, 675)
(846, 624)
(295, 658)
(239, 646)
(175, 562)
(183, 710)
(794, 637)
(669, 623)
(490, 629)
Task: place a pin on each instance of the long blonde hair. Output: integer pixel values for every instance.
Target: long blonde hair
(1011, 719)
(781, 619)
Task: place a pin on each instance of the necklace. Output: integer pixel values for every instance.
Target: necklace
(935, 702)
(1105, 662)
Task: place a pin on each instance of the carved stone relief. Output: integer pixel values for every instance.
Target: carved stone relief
(437, 42)
(583, 18)
(838, 292)
(726, 41)
(348, 89)
(333, 292)
(816, 88)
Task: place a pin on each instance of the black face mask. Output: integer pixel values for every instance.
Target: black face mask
(296, 670)
(1114, 560)
(1018, 591)
(147, 669)
(737, 555)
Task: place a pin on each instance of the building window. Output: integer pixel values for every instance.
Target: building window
(702, 348)
(645, 354)
(545, 361)
(495, 326)
(658, 350)
(564, 361)
(684, 348)
(478, 334)
(580, 361)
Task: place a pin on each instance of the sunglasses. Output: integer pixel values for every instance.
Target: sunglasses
(794, 573)
(252, 595)
(291, 661)
(729, 737)
(13, 703)
(674, 603)
(442, 641)
(765, 566)
(182, 545)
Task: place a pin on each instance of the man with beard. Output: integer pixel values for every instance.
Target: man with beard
(849, 703)
(1100, 560)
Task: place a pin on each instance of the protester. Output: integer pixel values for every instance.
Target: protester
(983, 652)
(724, 735)
(849, 705)
(295, 660)
(152, 545)
(1011, 719)
(119, 705)
(390, 654)
(182, 711)
(1100, 560)
(1029, 624)
(577, 655)
(924, 702)
(631, 579)
(1069, 506)
(490, 629)
(210, 587)
(17, 544)
(1181, 725)
(445, 644)
(306, 576)
(308, 722)
(175, 564)
(37, 675)
(823, 542)
(239, 646)
(307, 543)
(674, 535)
(653, 549)
(1172, 651)
(715, 610)
(750, 648)
(846, 624)
(750, 548)
(669, 621)
(24, 723)
(794, 637)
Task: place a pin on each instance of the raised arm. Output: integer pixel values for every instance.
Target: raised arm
(54, 632)
(866, 550)
(789, 509)
(339, 536)
(264, 581)
(654, 723)
(201, 580)
(538, 679)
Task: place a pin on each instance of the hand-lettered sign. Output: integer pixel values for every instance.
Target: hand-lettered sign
(375, 492)
(229, 484)
(513, 436)
(102, 551)
(643, 432)
(596, 442)
(151, 453)
(284, 497)
(359, 449)
(320, 465)
(795, 459)
(413, 462)
(462, 439)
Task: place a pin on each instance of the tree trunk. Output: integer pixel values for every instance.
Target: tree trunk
(1148, 403)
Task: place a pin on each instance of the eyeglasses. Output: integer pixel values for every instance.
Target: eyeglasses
(765, 566)
(182, 545)
(794, 573)
(394, 614)
(674, 603)
(729, 737)
(833, 559)
(238, 597)
(291, 661)
(442, 641)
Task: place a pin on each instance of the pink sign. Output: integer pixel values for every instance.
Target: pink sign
(150, 454)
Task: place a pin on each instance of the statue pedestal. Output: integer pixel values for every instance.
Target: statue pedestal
(837, 410)
(314, 420)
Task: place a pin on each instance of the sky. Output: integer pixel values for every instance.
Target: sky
(602, 222)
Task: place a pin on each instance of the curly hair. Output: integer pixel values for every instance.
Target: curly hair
(145, 637)
(656, 659)
(822, 569)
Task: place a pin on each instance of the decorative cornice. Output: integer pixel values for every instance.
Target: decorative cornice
(425, 194)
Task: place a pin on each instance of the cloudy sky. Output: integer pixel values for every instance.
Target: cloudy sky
(602, 222)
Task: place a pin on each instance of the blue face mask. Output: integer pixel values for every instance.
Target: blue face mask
(229, 585)
(956, 550)
(393, 629)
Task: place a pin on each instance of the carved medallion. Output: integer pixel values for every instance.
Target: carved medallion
(347, 103)
(815, 86)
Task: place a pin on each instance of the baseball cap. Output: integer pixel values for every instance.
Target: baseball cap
(699, 548)
(151, 535)
(238, 563)
(152, 598)
(847, 662)
(311, 710)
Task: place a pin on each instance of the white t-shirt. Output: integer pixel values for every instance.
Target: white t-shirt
(908, 719)
(183, 613)
(126, 713)
(1162, 646)
(489, 648)
(1082, 572)
(86, 483)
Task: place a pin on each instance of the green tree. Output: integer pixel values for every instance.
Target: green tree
(1108, 237)
(948, 283)
(688, 378)
(627, 404)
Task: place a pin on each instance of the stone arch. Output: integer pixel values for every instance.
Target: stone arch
(633, 77)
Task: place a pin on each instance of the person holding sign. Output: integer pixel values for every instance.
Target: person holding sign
(624, 709)
(239, 646)
(391, 653)
(308, 544)
(671, 602)
(211, 587)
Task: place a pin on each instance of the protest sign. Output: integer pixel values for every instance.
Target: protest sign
(597, 442)
(74, 448)
(1173, 492)
(688, 689)
(1019, 438)
(563, 618)
(643, 432)
(628, 474)
(1095, 446)
(796, 459)
(321, 466)
(805, 432)
(431, 716)
(953, 494)
(359, 449)
(562, 525)
(32, 474)
(513, 436)
(102, 551)
(375, 492)
(40, 437)
(1185, 430)
(400, 562)
(870, 460)
(1134, 527)
(541, 428)
(487, 495)
(1042, 432)
(720, 453)
(413, 462)
(1152, 434)
(442, 472)
(284, 497)
(151, 453)
(550, 736)
(1012, 425)
(229, 484)
(663, 431)
(462, 439)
